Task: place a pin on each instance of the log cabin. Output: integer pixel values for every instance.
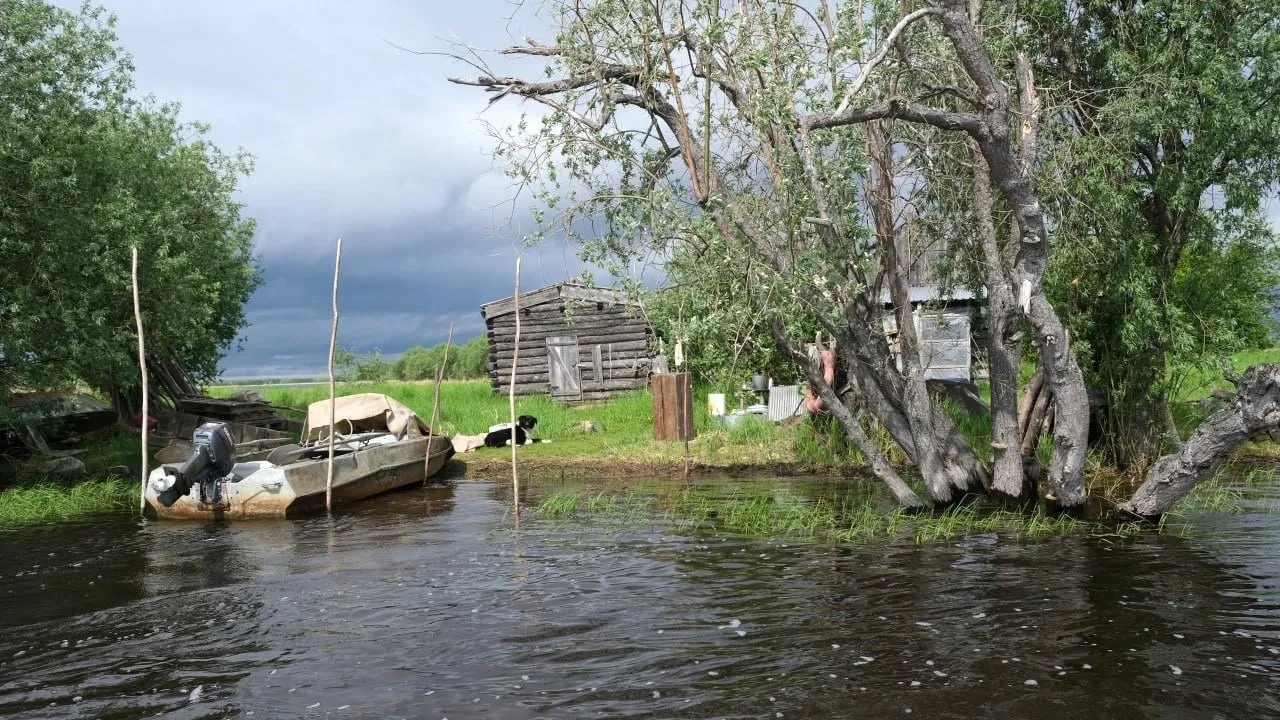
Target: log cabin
(577, 343)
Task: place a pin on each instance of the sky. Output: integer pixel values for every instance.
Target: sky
(356, 138)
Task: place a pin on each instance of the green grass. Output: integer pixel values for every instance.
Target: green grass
(1201, 381)
(27, 497)
(623, 425)
(48, 501)
(780, 512)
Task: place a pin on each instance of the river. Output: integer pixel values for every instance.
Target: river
(429, 604)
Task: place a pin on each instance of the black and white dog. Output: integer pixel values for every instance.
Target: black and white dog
(523, 431)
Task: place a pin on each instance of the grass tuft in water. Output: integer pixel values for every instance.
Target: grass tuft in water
(47, 502)
(779, 512)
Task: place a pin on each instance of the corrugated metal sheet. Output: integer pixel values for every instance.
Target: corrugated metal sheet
(785, 402)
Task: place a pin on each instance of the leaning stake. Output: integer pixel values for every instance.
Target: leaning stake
(142, 367)
(435, 406)
(515, 358)
(333, 401)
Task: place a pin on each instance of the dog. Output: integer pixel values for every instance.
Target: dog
(523, 432)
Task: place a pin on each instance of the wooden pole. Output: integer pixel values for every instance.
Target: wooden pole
(515, 357)
(435, 405)
(142, 367)
(333, 400)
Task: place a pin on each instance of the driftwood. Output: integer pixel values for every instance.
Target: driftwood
(333, 344)
(1255, 409)
(142, 365)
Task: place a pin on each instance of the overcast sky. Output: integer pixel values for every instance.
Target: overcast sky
(353, 138)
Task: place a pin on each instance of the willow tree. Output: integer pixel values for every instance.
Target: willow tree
(778, 130)
(86, 174)
(1165, 141)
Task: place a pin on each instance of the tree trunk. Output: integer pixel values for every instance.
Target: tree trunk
(1071, 403)
(880, 392)
(880, 466)
(915, 396)
(1256, 409)
(1004, 346)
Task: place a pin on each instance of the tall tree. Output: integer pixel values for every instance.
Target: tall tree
(86, 173)
(1167, 125)
(674, 119)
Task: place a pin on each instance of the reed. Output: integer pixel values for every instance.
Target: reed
(49, 502)
(848, 517)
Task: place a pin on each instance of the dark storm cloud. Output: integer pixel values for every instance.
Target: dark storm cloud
(353, 138)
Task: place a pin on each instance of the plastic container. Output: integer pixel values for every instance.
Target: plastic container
(715, 404)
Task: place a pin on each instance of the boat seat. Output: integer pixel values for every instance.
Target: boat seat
(242, 470)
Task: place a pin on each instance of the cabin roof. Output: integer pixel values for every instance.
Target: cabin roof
(558, 291)
(931, 293)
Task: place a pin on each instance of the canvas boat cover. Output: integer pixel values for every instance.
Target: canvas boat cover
(365, 412)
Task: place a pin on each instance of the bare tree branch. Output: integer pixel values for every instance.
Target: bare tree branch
(880, 56)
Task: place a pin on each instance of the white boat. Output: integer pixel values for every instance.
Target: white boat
(386, 447)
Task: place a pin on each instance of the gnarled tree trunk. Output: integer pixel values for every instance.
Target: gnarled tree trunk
(1255, 409)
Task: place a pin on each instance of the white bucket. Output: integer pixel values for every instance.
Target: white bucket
(715, 404)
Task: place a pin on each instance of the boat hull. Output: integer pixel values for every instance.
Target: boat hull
(299, 488)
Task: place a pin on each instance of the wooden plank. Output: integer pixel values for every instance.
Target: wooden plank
(663, 397)
(505, 352)
(673, 407)
(619, 362)
(565, 379)
(580, 322)
(563, 326)
(592, 337)
(618, 368)
(549, 311)
(619, 384)
(606, 295)
(597, 366)
(530, 299)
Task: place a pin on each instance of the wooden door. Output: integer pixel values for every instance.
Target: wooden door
(562, 365)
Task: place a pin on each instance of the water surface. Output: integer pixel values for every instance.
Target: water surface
(429, 604)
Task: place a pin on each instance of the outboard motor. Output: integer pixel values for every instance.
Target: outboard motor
(212, 457)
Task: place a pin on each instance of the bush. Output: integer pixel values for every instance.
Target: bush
(466, 362)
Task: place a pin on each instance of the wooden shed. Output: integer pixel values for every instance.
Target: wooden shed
(576, 343)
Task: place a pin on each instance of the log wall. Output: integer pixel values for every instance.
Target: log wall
(614, 347)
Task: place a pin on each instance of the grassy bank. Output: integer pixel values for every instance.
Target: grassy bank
(617, 435)
(29, 496)
(47, 501)
(769, 510)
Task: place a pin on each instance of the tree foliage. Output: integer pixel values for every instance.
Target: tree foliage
(1165, 143)
(86, 173)
(467, 361)
(782, 146)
